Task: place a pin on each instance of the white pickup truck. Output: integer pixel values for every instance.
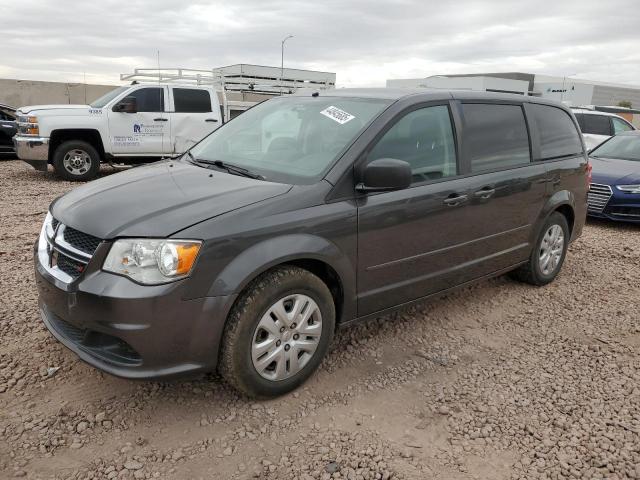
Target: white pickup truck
(128, 124)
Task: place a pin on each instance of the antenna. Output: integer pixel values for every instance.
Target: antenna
(85, 87)
(161, 103)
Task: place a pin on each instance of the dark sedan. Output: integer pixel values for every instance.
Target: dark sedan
(615, 188)
(8, 128)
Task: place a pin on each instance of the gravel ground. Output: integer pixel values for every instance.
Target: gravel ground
(498, 381)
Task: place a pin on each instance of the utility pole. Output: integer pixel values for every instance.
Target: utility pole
(282, 61)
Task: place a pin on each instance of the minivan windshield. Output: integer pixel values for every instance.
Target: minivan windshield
(624, 147)
(290, 139)
(107, 97)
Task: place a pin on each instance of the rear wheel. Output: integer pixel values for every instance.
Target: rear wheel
(278, 332)
(76, 160)
(548, 254)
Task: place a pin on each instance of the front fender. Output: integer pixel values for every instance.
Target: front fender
(275, 251)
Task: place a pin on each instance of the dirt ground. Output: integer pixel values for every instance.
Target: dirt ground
(498, 381)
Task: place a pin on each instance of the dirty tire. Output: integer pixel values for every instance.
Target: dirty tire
(69, 146)
(531, 272)
(236, 365)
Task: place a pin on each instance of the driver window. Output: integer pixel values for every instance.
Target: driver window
(424, 139)
(149, 99)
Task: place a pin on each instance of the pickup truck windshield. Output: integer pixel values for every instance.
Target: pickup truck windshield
(624, 147)
(291, 139)
(107, 97)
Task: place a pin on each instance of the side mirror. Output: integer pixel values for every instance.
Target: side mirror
(385, 174)
(126, 105)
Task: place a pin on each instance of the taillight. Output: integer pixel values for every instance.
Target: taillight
(589, 174)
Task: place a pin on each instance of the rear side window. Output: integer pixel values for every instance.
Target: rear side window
(558, 134)
(149, 99)
(496, 136)
(597, 125)
(189, 100)
(620, 126)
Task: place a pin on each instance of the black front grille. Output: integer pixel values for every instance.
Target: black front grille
(626, 211)
(54, 223)
(68, 265)
(82, 241)
(101, 345)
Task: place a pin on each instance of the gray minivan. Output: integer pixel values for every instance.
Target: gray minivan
(304, 214)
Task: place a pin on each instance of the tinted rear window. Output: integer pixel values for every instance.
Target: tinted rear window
(558, 134)
(597, 125)
(496, 136)
(189, 100)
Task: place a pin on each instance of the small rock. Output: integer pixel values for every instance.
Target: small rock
(133, 465)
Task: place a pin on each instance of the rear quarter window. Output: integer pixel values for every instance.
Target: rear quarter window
(559, 136)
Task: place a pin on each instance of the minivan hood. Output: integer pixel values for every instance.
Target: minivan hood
(158, 200)
(37, 108)
(613, 171)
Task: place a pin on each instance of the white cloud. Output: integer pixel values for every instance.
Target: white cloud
(364, 42)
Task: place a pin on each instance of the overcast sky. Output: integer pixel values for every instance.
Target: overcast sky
(364, 41)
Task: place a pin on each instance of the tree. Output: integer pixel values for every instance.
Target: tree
(624, 103)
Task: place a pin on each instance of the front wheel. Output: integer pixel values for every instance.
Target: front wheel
(76, 160)
(548, 253)
(277, 333)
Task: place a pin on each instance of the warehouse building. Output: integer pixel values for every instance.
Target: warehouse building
(572, 91)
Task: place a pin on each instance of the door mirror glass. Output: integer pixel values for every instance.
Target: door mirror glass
(126, 105)
(385, 174)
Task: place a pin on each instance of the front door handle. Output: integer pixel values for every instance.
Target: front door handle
(160, 119)
(454, 200)
(211, 120)
(485, 193)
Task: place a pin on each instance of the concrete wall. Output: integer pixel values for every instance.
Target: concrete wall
(19, 93)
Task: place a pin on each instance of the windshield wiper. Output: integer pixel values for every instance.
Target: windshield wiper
(229, 167)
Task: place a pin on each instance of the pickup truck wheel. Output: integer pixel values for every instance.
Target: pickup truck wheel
(76, 160)
(548, 253)
(277, 333)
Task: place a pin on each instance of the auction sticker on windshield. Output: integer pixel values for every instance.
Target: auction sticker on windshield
(334, 113)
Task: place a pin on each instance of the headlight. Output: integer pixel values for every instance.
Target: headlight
(28, 125)
(150, 261)
(629, 188)
(47, 226)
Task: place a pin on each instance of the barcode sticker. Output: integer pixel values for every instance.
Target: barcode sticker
(334, 113)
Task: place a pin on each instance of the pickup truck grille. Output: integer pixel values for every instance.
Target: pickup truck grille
(598, 197)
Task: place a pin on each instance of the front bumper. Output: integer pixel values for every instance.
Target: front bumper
(32, 150)
(130, 330)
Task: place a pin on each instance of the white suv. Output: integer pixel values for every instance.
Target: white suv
(127, 124)
(598, 126)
